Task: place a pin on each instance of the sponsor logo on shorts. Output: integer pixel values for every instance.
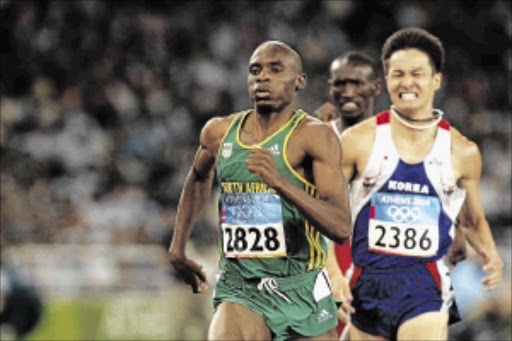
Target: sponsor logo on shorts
(323, 316)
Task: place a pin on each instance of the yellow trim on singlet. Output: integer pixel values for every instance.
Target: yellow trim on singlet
(313, 236)
(237, 135)
(311, 248)
(285, 157)
(320, 260)
(229, 129)
(285, 142)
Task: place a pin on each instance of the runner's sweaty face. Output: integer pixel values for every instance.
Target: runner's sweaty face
(412, 82)
(275, 75)
(352, 88)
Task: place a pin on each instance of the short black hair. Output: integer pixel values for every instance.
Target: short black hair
(414, 38)
(359, 58)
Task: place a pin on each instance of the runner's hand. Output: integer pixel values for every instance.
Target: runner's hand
(494, 266)
(341, 292)
(191, 272)
(262, 163)
(458, 251)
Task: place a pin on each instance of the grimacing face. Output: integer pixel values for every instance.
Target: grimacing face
(352, 88)
(274, 78)
(412, 82)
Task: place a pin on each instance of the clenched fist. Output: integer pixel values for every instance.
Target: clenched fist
(191, 272)
(262, 163)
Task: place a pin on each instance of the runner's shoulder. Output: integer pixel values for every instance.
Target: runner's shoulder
(463, 148)
(215, 128)
(313, 128)
(361, 132)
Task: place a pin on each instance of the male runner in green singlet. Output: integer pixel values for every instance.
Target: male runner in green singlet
(282, 188)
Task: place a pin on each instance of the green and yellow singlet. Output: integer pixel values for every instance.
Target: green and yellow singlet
(260, 233)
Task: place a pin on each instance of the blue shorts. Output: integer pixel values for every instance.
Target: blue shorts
(386, 298)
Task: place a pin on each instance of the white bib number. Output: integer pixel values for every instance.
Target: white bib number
(253, 241)
(252, 225)
(403, 239)
(404, 224)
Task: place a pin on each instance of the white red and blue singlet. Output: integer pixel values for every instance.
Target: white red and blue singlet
(404, 213)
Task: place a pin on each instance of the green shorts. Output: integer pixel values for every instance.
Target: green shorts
(300, 305)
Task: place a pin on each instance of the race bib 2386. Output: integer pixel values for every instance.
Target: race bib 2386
(404, 224)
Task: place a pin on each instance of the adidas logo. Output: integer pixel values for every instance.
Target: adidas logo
(274, 149)
(323, 316)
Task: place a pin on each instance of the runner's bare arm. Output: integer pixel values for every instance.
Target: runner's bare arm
(340, 287)
(329, 213)
(330, 182)
(194, 196)
(331, 264)
(356, 143)
(472, 216)
(458, 251)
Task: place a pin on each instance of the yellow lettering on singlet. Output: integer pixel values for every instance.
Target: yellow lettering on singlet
(232, 187)
(258, 187)
(247, 187)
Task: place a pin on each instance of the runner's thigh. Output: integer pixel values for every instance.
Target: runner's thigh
(427, 326)
(356, 335)
(233, 321)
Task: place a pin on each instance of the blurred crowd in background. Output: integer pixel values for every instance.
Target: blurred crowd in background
(102, 102)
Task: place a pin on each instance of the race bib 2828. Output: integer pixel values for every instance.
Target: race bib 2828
(252, 226)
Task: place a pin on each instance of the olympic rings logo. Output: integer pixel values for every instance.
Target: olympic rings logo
(404, 214)
(245, 213)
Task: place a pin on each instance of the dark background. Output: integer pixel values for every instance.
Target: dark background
(102, 103)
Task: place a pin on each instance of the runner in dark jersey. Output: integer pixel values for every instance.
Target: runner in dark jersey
(410, 174)
(354, 83)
